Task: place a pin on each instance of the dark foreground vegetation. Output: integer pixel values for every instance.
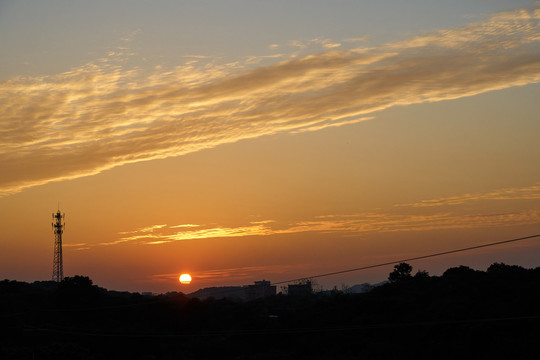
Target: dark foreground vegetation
(460, 315)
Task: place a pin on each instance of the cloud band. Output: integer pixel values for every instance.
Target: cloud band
(103, 115)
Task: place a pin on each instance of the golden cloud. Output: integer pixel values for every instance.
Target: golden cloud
(351, 224)
(523, 193)
(102, 115)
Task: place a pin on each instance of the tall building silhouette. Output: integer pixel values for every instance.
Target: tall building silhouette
(58, 229)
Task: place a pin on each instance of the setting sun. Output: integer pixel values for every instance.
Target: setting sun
(185, 279)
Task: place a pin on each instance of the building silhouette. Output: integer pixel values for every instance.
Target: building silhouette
(303, 289)
(259, 289)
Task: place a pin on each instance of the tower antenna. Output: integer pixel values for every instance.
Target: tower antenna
(58, 225)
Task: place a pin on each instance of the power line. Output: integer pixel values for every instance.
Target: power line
(409, 259)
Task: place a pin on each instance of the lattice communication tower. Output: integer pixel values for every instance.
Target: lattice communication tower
(58, 226)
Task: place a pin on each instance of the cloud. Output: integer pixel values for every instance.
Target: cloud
(348, 224)
(353, 224)
(325, 43)
(77, 245)
(163, 234)
(230, 274)
(215, 274)
(184, 226)
(327, 124)
(102, 115)
(523, 193)
(355, 40)
(426, 217)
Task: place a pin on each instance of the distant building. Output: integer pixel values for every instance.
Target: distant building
(260, 289)
(303, 289)
(222, 292)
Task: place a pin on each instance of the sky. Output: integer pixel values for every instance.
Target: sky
(247, 140)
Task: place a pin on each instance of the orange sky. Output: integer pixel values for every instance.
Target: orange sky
(320, 155)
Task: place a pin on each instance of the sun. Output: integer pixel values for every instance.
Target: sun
(185, 279)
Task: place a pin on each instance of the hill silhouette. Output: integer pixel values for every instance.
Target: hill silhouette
(464, 313)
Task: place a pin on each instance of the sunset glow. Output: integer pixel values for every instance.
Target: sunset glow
(271, 140)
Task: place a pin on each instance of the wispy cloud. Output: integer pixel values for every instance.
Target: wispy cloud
(77, 245)
(184, 226)
(355, 40)
(171, 233)
(102, 115)
(523, 193)
(230, 274)
(421, 216)
(384, 222)
(349, 224)
(152, 228)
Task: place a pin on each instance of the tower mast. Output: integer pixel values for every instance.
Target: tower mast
(58, 228)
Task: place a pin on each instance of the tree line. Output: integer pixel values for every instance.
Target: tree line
(462, 313)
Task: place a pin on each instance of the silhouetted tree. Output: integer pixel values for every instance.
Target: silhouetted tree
(77, 290)
(459, 273)
(502, 268)
(401, 271)
(421, 274)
